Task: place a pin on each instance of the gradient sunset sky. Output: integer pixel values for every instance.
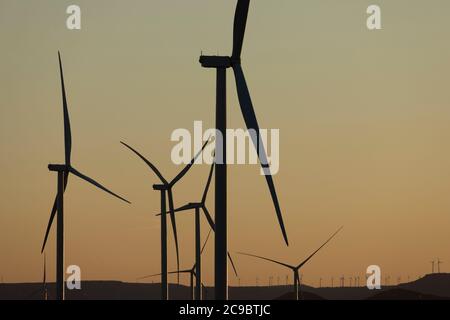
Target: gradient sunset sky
(363, 116)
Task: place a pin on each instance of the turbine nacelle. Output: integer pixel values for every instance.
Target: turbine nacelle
(161, 187)
(217, 62)
(58, 167)
(195, 204)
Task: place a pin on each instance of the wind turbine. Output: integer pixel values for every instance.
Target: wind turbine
(221, 64)
(197, 206)
(192, 273)
(432, 266)
(295, 269)
(166, 186)
(439, 265)
(63, 171)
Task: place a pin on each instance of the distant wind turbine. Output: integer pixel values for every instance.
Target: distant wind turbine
(167, 186)
(197, 206)
(221, 64)
(439, 265)
(63, 171)
(295, 269)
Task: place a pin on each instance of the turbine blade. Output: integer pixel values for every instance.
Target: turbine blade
(186, 207)
(149, 276)
(174, 227)
(158, 274)
(95, 183)
(298, 279)
(329, 239)
(188, 166)
(205, 192)
(209, 218)
(178, 272)
(203, 248)
(67, 131)
(206, 241)
(240, 22)
(53, 213)
(252, 123)
(232, 264)
(154, 169)
(267, 259)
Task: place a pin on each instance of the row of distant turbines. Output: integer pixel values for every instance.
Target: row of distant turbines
(438, 263)
(165, 186)
(197, 290)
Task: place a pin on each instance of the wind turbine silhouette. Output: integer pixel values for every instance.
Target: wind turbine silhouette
(221, 64)
(192, 273)
(164, 187)
(197, 206)
(295, 269)
(63, 171)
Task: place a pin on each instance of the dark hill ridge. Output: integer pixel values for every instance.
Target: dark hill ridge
(432, 286)
(403, 294)
(437, 284)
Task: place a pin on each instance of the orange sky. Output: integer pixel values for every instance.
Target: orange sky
(363, 118)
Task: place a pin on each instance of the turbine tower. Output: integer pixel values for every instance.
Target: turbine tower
(166, 187)
(295, 269)
(432, 266)
(221, 64)
(63, 171)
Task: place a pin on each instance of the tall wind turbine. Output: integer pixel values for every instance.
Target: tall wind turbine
(192, 273)
(197, 206)
(164, 187)
(432, 266)
(295, 269)
(63, 171)
(221, 64)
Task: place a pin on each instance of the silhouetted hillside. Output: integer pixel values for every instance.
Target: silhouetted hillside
(437, 284)
(433, 286)
(305, 295)
(403, 294)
